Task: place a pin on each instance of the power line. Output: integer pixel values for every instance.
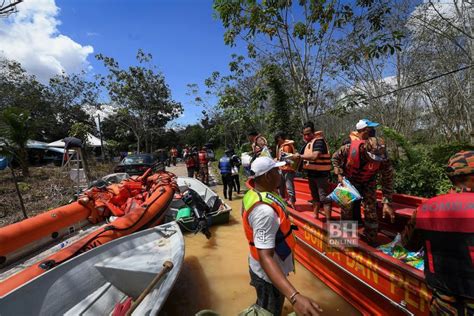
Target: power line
(420, 82)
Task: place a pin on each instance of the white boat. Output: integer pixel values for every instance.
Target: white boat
(95, 282)
(217, 211)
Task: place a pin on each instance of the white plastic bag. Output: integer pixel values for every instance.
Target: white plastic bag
(345, 194)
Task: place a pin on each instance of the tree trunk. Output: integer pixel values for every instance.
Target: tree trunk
(23, 155)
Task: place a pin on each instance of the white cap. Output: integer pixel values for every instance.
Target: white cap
(365, 123)
(262, 165)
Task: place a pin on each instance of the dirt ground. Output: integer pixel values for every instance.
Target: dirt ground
(47, 188)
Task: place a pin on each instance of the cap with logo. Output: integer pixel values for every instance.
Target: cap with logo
(365, 123)
(262, 165)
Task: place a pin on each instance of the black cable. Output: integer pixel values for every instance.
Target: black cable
(420, 82)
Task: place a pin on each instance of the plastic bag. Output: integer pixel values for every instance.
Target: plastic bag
(246, 160)
(345, 194)
(395, 249)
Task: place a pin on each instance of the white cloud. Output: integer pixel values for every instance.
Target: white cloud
(31, 37)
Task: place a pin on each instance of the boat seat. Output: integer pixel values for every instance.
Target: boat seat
(133, 270)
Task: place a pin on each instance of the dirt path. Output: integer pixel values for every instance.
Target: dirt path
(215, 273)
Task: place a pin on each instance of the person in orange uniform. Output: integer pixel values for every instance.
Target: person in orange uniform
(444, 226)
(364, 130)
(173, 155)
(269, 233)
(286, 148)
(203, 165)
(361, 162)
(317, 164)
(190, 161)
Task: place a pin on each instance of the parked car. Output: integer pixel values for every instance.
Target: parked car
(136, 164)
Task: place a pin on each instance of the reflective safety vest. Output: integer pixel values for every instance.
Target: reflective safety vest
(202, 155)
(288, 143)
(224, 165)
(446, 223)
(284, 239)
(323, 163)
(356, 172)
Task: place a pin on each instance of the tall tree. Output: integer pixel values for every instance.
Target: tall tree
(141, 96)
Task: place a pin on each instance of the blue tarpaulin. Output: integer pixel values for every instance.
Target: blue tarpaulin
(3, 162)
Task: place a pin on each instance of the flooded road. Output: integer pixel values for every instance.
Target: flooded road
(215, 274)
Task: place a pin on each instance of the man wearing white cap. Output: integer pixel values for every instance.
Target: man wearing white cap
(364, 130)
(271, 242)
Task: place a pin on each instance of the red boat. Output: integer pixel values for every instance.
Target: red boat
(134, 204)
(375, 283)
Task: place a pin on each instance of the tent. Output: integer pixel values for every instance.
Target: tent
(92, 141)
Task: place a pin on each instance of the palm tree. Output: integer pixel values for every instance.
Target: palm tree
(15, 130)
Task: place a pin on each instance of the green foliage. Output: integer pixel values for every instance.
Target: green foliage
(424, 177)
(81, 131)
(16, 127)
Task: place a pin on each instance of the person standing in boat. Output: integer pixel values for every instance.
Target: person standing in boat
(286, 148)
(203, 165)
(444, 226)
(225, 167)
(361, 162)
(317, 164)
(259, 145)
(190, 161)
(269, 233)
(364, 130)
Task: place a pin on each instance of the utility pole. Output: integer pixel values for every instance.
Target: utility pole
(101, 141)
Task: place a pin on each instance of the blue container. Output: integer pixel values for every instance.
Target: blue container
(3, 162)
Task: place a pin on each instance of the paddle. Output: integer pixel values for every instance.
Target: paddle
(167, 266)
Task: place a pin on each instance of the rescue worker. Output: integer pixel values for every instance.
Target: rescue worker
(203, 166)
(364, 130)
(173, 155)
(259, 145)
(284, 149)
(360, 162)
(225, 167)
(195, 153)
(317, 164)
(190, 161)
(444, 225)
(235, 162)
(271, 258)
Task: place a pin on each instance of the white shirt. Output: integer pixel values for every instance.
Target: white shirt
(265, 223)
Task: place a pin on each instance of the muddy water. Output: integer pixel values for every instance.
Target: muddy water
(215, 274)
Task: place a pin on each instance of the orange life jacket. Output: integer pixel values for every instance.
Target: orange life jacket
(280, 150)
(354, 171)
(189, 159)
(354, 135)
(202, 156)
(323, 163)
(446, 223)
(285, 241)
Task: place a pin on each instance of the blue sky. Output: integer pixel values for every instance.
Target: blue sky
(184, 38)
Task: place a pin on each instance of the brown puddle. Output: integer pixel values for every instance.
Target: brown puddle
(215, 275)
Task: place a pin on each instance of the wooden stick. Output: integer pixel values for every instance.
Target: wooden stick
(167, 266)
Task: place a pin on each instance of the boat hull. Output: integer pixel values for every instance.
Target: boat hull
(146, 215)
(375, 283)
(96, 281)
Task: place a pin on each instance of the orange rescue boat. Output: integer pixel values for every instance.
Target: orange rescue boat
(373, 282)
(134, 204)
